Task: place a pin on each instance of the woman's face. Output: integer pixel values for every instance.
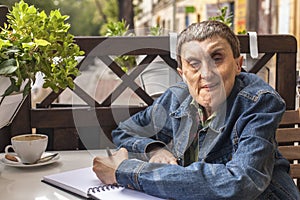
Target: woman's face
(209, 69)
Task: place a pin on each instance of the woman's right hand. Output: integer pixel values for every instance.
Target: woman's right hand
(162, 155)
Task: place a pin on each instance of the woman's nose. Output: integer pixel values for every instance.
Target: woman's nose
(206, 69)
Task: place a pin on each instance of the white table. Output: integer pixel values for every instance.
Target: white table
(25, 183)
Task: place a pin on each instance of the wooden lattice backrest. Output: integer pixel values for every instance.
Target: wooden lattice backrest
(281, 47)
(288, 138)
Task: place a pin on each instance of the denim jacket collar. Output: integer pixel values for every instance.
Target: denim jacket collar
(186, 109)
(183, 109)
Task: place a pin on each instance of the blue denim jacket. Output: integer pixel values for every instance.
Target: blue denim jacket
(242, 163)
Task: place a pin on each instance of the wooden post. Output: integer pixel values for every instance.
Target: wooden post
(21, 124)
(5, 131)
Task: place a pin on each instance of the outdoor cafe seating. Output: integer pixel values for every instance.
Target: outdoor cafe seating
(70, 126)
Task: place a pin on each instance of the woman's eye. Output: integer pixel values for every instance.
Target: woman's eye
(217, 58)
(195, 64)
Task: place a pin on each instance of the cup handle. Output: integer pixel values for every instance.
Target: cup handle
(7, 148)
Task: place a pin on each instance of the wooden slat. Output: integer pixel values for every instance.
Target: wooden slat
(5, 135)
(295, 171)
(128, 81)
(270, 44)
(159, 45)
(287, 62)
(288, 135)
(20, 124)
(85, 96)
(138, 45)
(80, 116)
(290, 117)
(50, 98)
(261, 63)
(290, 152)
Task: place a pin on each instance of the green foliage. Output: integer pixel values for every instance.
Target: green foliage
(242, 32)
(222, 17)
(155, 30)
(226, 19)
(120, 28)
(32, 42)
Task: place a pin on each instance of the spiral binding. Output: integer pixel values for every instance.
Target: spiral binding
(104, 188)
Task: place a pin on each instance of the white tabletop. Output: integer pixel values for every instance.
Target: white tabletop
(25, 183)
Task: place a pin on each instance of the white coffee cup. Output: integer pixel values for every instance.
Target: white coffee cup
(28, 147)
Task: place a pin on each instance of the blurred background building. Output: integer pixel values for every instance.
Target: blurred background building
(262, 16)
(89, 17)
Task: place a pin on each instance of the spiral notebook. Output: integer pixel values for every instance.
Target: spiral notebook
(85, 183)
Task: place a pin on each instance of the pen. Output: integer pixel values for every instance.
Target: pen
(108, 151)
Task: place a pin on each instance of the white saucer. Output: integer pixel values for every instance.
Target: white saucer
(20, 164)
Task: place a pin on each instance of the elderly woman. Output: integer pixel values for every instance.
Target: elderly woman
(209, 137)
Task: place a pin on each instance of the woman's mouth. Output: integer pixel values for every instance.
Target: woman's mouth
(210, 86)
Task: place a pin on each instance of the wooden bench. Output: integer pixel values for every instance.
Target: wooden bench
(288, 138)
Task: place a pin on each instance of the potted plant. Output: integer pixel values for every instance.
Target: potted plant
(33, 42)
(120, 28)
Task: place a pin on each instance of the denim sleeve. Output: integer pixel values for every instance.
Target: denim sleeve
(245, 176)
(139, 131)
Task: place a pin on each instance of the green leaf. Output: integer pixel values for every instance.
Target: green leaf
(8, 66)
(4, 43)
(222, 16)
(71, 83)
(28, 45)
(41, 42)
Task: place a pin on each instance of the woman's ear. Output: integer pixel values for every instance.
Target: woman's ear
(179, 70)
(239, 63)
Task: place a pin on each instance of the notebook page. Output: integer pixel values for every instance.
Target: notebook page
(76, 181)
(79, 181)
(122, 194)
